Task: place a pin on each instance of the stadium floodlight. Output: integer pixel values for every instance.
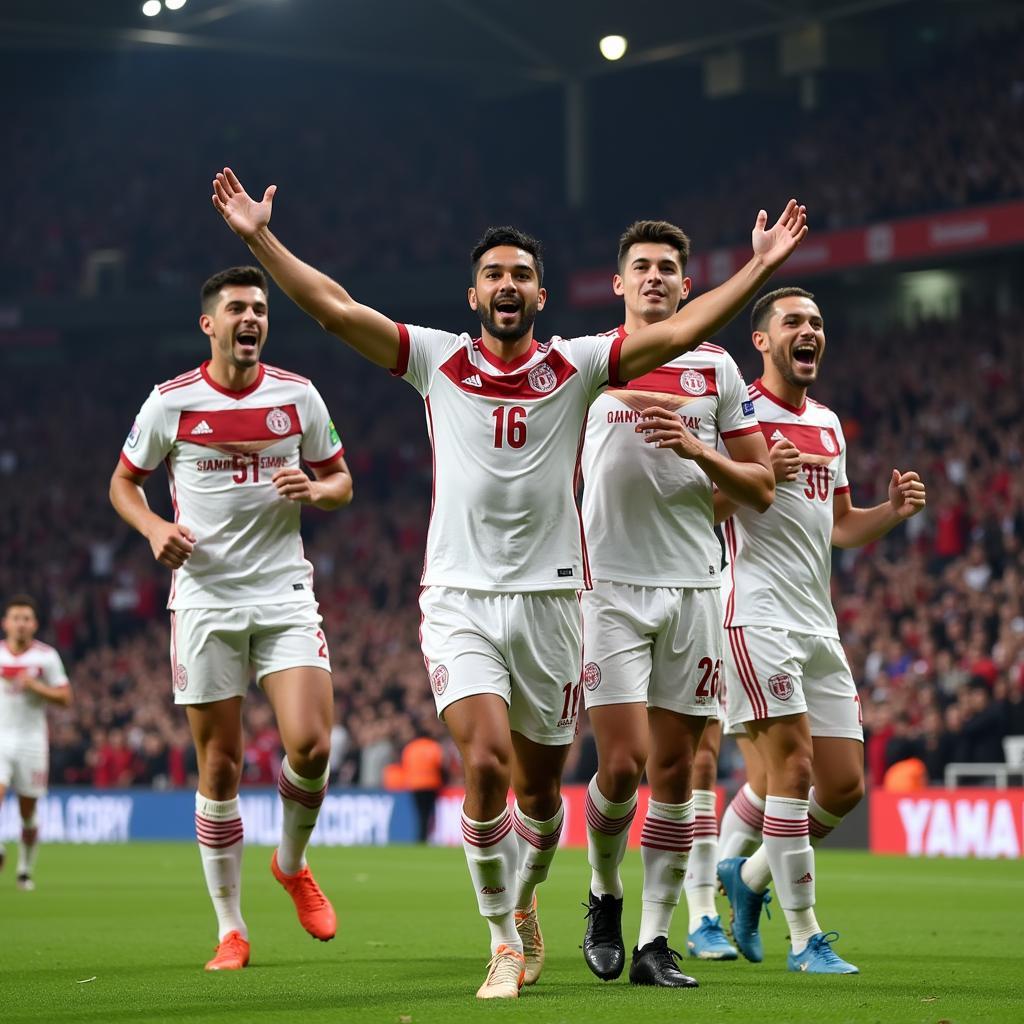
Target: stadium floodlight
(151, 8)
(612, 47)
(174, 5)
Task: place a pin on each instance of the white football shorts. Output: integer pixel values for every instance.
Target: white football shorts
(526, 648)
(214, 651)
(661, 646)
(25, 770)
(775, 672)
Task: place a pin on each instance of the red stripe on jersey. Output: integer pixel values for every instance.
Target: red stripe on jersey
(614, 357)
(212, 426)
(276, 371)
(810, 440)
(707, 346)
(506, 365)
(205, 371)
(753, 429)
(320, 463)
(693, 382)
(577, 473)
(132, 467)
(799, 410)
(842, 490)
(192, 377)
(539, 381)
(402, 365)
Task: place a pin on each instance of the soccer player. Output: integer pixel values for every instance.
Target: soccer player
(33, 678)
(789, 682)
(501, 632)
(231, 433)
(652, 622)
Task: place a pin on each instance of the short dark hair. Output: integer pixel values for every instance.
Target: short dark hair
(252, 276)
(762, 311)
(660, 231)
(508, 235)
(21, 601)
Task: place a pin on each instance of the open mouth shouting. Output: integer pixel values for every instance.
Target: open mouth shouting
(247, 341)
(805, 354)
(507, 309)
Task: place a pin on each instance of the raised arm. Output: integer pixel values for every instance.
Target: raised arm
(855, 527)
(700, 318)
(370, 333)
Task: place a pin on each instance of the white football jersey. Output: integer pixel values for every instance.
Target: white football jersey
(506, 441)
(23, 713)
(221, 449)
(780, 561)
(648, 514)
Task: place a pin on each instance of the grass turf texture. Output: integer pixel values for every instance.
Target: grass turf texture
(120, 933)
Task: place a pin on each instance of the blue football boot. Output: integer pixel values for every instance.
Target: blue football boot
(819, 957)
(708, 942)
(745, 907)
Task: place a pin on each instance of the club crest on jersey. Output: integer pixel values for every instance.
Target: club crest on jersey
(781, 686)
(134, 434)
(279, 422)
(591, 675)
(439, 679)
(827, 442)
(181, 677)
(542, 378)
(692, 382)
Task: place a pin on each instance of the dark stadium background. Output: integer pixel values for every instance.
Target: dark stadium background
(396, 133)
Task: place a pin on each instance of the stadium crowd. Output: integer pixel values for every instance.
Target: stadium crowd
(400, 214)
(932, 616)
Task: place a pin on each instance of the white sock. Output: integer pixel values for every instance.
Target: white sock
(819, 821)
(538, 843)
(300, 802)
(742, 823)
(29, 845)
(219, 831)
(756, 872)
(491, 853)
(788, 847)
(607, 836)
(700, 884)
(665, 845)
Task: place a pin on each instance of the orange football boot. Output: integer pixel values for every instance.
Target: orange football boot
(315, 912)
(232, 953)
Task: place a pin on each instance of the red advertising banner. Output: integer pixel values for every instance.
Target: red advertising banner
(948, 823)
(448, 816)
(976, 228)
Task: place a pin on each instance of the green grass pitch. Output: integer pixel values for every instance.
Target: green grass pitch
(120, 933)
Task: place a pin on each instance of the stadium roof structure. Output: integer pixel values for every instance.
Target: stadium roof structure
(500, 49)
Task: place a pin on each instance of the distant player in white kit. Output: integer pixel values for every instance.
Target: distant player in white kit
(652, 622)
(505, 560)
(32, 678)
(789, 682)
(231, 434)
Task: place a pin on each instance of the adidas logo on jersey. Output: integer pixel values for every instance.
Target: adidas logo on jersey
(202, 427)
(778, 435)
(474, 381)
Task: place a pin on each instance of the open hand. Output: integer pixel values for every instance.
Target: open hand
(906, 494)
(785, 458)
(243, 214)
(665, 429)
(775, 245)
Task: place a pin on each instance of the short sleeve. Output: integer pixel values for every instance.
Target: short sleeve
(735, 406)
(150, 438)
(842, 481)
(320, 442)
(53, 670)
(421, 350)
(597, 360)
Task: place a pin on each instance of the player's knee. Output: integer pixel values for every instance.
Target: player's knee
(796, 771)
(621, 772)
(487, 769)
(310, 756)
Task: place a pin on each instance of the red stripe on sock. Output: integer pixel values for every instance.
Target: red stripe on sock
(476, 836)
(307, 797)
(602, 823)
(533, 837)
